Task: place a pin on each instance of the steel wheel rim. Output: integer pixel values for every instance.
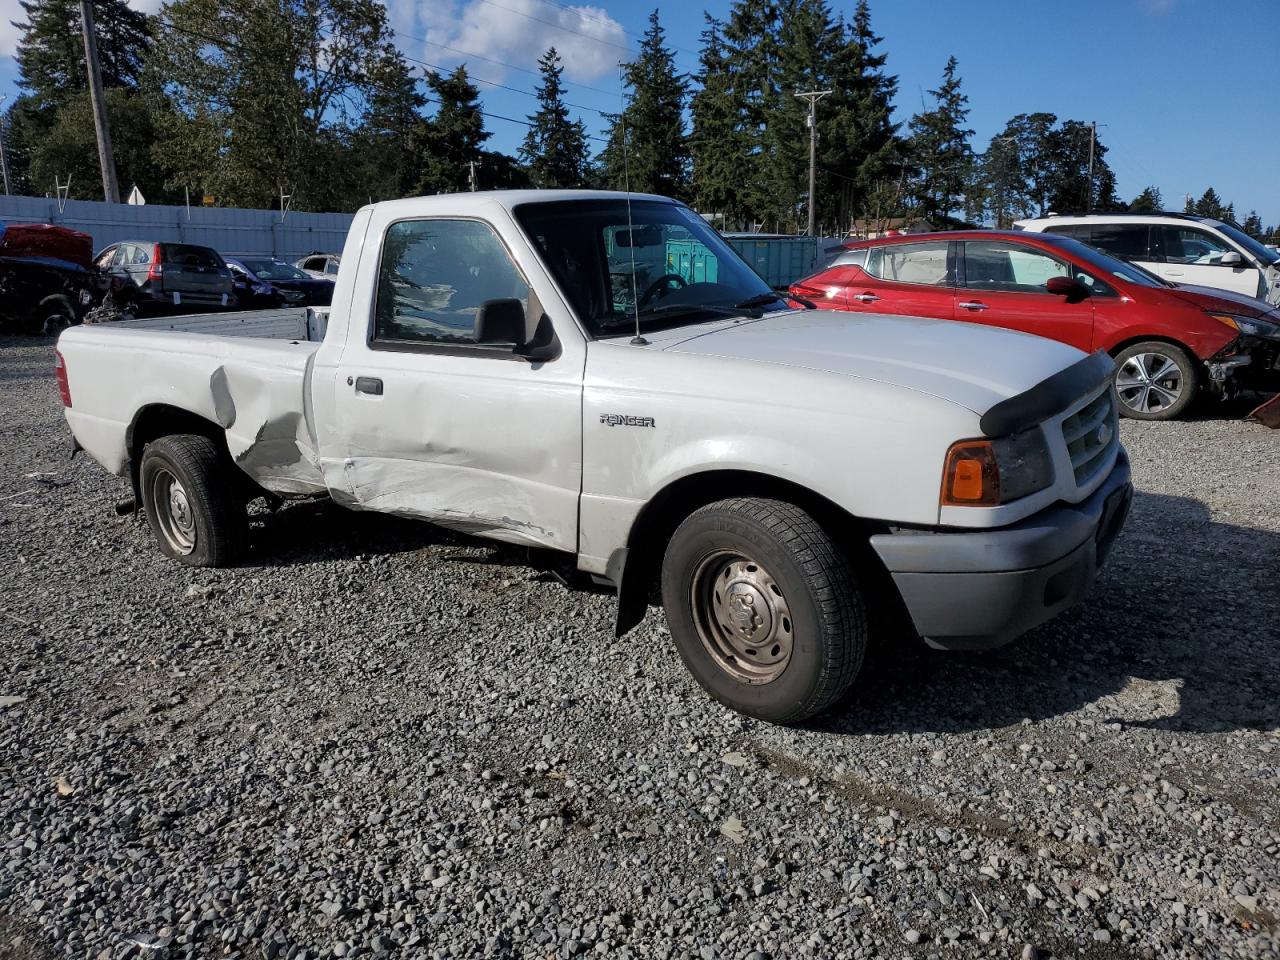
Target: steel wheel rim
(742, 617)
(1149, 382)
(174, 516)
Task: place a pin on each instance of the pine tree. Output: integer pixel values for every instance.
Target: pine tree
(1069, 149)
(1253, 225)
(555, 148)
(388, 145)
(750, 37)
(50, 54)
(657, 150)
(859, 155)
(1148, 201)
(454, 137)
(718, 145)
(940, 148)
(1210, 205)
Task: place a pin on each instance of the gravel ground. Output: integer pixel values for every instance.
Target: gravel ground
(376, 738)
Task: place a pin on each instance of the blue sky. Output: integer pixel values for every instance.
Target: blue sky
(1183, 93)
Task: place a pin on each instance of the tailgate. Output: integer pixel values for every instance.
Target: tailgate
(194, 270)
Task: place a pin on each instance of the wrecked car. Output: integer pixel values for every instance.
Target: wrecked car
(492, 364)
(46, 277)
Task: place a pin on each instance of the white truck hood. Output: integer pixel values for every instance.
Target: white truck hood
(968, 364)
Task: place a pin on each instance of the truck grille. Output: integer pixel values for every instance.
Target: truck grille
(1091, 434)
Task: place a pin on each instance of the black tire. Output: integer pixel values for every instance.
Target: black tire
(212, 529)
(781, 567)
(1156, 380)
(54, 315)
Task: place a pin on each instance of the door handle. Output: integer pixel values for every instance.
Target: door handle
(369, 385)
(866, 297)
(972, 305)
(1173, 273)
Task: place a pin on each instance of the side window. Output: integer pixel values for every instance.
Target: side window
(106, 257)
(1065, 230)
(996, 265)
(1189, 245)
(850, 258)
(1128, 241)
(314, 263)
(434, 276)
(924, 263)
(331, 268)
(137, 253)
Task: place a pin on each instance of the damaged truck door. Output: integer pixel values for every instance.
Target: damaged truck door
(436, 413)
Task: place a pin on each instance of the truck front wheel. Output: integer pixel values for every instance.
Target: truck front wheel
(763, 608)
(190, 496)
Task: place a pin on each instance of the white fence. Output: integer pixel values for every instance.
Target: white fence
(228, 230)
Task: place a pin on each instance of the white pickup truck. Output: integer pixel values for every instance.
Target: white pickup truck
(600, 374)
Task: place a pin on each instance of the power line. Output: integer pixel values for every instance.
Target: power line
(503, 86)
(509, 66)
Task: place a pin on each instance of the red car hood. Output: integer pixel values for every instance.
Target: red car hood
(1224, 301)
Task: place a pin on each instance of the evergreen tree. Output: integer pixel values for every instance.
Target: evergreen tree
(1253, 225)
(1189, 206)
(264, 93)
(555, 148)
(1148, 201)
(388, 145)
(50, 54)
(718, 145)
(1070, 151)
(750, 37)
(940, 148)
(1210, 205)
(657, 150)
(859, 155)
(52, 74)
(455, 136)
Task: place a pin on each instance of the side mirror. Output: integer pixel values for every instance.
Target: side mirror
(1066, 287)
(1232, 259)
(501, 323)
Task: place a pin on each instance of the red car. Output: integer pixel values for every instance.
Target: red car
(1169, 342)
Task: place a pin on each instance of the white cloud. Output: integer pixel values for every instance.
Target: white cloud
(514, 32)
(10, 12)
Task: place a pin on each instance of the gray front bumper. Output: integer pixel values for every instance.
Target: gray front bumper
(983, 588)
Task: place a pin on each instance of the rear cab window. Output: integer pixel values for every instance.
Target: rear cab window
(189, 255)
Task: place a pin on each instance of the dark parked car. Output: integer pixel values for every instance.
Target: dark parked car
(268, 282)
(140, 277)
(46, 277)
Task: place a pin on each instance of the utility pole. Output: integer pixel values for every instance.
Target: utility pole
(1093, 138)
(110, 192)
(813, 96)
(4, 160)
(472, 165)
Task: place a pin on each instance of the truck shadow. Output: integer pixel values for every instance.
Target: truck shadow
(1181, 632)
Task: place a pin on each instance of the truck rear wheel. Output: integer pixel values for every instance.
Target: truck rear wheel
(190, 496)
(763, 608)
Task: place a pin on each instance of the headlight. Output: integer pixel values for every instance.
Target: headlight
(1249, 326)
(985, 473)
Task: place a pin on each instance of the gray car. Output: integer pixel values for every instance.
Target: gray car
(150, 277)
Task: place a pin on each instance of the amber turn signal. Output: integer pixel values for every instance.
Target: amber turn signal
(971, 477)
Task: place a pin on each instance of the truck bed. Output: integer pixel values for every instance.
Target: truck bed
(285, 323)
(247, 373)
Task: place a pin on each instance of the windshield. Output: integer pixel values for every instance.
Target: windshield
(1256, 249)
(274, 270)
(684, 272)
(1107, 264)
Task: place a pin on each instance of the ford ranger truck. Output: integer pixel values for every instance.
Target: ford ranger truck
(600, 374)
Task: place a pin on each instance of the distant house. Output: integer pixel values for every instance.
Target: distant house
(871, 227)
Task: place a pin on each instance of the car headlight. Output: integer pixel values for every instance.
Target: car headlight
(1249, 326)
(985, 473)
